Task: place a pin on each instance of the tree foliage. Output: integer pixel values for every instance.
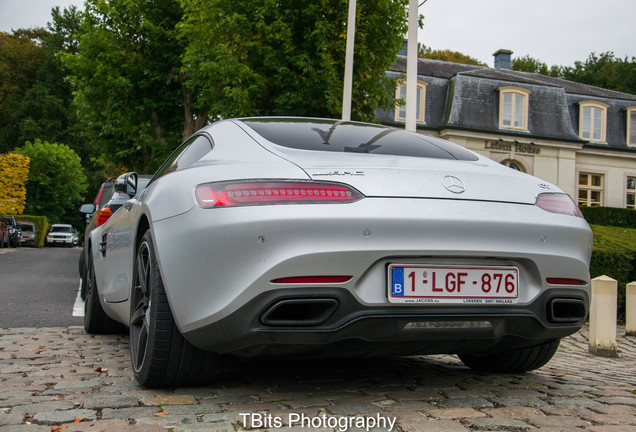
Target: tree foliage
(129, 92)
(448, 55)
(56, 181)
(605, 70)
(20, 59)
(14, 172)
(265, 57)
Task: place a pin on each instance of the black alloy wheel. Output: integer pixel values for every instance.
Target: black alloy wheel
(160, 355)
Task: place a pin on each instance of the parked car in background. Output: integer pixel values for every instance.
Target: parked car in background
(29, 234)
(279, 236)
(4, 233)
(62, 234)
(15, 232)
(108, 200)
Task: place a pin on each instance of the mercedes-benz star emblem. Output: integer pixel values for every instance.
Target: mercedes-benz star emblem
(453, 184)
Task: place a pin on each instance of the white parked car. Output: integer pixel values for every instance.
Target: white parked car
(62, 234)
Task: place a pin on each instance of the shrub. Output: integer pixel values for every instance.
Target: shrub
(614, 255)
(610, 216)
(42, 226)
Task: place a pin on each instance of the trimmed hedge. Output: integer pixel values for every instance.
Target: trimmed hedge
(614, 255)
(610, 216)
(42, 226)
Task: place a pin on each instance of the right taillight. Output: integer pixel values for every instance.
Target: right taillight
(558, 203)
(103, 215)
(232, 194)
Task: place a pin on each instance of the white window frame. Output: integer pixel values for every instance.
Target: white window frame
(630, 191)
(631, 111)
(589, 188)
(593, 105)
(421, 89)
(514, 92)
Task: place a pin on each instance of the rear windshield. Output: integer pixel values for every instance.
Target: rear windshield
(352, 137)
(26, 227)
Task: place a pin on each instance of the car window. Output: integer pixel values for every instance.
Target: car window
(185, 155)
(27, 227)
(351, 137)
(61, 229)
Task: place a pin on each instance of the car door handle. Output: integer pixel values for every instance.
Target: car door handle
(128, 205)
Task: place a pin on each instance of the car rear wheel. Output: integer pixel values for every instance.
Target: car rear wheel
(95, 319)
(160, 355)
(514, 360)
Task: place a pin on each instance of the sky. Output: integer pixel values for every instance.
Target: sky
(556, 32)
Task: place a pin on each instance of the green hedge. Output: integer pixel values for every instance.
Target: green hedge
(42, 226)
(610, 216)
(614, 255)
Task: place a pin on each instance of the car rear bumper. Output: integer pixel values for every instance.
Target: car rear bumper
(216, 262)
(331, 321)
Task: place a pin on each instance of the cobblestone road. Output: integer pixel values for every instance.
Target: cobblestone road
(63, 379)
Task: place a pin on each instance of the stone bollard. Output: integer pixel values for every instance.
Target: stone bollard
(630, 309)
(603, 317)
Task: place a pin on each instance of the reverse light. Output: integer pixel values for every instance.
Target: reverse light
(558, 203)
(228, 194)
(104, 214)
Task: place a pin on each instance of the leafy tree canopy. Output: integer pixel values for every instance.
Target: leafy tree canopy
(605, 70)
(448, 55)
(148, 74)
(56, 182)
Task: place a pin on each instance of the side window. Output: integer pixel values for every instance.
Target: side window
(185, 155)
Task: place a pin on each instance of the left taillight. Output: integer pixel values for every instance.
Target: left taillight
(232, 194)
(103, 215)
(558, 203)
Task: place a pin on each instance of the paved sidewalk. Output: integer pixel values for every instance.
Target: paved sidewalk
(55, 379)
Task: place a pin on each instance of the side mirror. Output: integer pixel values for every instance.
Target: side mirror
(87, 209)
(127, 183)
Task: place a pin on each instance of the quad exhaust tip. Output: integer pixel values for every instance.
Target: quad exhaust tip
(299, 312)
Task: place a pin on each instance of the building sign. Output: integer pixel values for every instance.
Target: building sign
(516, 146)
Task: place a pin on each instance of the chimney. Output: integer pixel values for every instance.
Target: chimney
(502, 59)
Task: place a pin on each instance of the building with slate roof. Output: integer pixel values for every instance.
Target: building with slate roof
(579, 137)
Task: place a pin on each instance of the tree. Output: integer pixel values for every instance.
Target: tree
(532, 65)
(266, 57)
(20, 59)
(448, 55)
(56, 182)
(14, 172)
(605, 71)
(129, 91)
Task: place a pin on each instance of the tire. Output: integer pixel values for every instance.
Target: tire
(95, 319)
(160, 355)
(512, 361)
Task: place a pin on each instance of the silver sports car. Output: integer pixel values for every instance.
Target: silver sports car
(297, 236)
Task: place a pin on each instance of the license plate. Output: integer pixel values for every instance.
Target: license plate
(453, 284)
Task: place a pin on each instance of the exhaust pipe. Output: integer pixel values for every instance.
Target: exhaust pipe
(563, 310)
(299, 312)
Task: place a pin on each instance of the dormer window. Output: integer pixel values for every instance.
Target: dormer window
(592, 121)
(631, 125)
(400, 93)
(513, 107)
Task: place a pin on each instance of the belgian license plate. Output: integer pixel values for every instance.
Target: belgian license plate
(453, 284)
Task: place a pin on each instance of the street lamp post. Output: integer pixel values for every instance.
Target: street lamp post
(348, 77)
(411, 69)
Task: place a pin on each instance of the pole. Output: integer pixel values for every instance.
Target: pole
(348, 77)
(411, 69)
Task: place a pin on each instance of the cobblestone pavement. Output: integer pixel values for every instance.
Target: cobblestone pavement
(64, 379)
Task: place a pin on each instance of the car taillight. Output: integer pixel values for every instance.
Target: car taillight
(558, 203)
(224, 194)
(104, 214)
